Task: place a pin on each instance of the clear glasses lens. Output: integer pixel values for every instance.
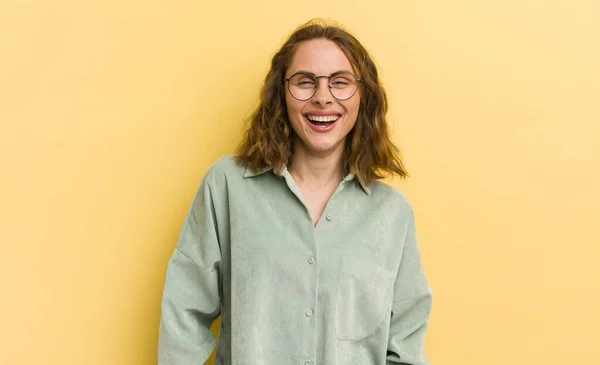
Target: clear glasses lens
(304, 87)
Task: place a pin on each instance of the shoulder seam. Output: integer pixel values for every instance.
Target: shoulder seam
(193, 262)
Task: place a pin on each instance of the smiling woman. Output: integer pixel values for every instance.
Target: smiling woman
(315, 64)
(320, 121)
(292, 287)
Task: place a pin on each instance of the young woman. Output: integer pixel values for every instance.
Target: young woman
(293, 241)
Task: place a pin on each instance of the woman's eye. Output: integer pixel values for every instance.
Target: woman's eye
(340, 83)
(306, 84)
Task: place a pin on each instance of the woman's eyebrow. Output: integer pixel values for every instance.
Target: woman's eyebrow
(332, 74)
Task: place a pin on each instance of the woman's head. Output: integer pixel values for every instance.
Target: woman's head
(322, 97)
(346, 113)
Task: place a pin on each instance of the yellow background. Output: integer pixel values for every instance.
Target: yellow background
(111, 111)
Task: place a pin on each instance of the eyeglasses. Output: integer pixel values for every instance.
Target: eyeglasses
(304, 85)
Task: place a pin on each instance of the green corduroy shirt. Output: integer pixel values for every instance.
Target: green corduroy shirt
(350, 290)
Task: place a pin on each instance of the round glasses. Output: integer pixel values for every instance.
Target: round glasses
(303, 85)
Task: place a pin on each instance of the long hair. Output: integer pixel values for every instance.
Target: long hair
(369, 152)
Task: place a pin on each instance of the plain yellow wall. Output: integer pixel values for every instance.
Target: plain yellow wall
(111, 111)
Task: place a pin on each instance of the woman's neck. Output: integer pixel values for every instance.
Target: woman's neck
(316, 171)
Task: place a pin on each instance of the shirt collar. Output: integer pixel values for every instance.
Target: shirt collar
(251, 173)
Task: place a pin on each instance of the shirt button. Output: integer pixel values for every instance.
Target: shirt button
(311, 260)
(309, 313)
(329, 217)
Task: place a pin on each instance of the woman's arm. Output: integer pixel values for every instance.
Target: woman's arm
(191, 295)
(411, 307)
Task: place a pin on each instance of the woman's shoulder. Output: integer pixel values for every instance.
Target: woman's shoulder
(225, 167)
(227, 163)
(386, 194)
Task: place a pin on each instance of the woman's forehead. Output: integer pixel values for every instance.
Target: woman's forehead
(320, 57)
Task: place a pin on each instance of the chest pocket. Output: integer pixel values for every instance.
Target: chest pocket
(363, 299)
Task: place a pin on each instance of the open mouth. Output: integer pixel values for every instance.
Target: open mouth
(322, 120)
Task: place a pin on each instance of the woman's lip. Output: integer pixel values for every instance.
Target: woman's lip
(322, 129)
(323, 114)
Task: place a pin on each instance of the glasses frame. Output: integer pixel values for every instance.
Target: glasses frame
(316, 78)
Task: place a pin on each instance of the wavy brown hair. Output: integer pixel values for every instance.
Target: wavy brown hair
(369, 152)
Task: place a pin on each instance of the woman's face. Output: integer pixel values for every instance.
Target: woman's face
(322, 122)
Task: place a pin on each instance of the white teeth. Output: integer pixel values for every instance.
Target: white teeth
(324, 118)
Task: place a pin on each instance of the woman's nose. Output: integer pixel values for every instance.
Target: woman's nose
(323, 94)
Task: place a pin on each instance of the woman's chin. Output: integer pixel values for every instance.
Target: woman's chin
(322, 146)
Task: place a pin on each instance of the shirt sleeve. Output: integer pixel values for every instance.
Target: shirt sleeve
(190, 301)
(411, 306)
